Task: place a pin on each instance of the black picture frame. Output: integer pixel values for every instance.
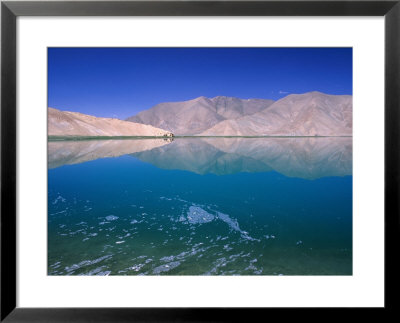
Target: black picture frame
(10, 10)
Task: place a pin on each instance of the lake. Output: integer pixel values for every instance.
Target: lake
(200, 206)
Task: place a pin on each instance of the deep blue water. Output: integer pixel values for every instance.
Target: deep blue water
(200, 207)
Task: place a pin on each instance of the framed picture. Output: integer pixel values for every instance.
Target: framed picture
(203, 156)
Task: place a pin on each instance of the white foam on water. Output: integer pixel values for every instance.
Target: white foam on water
(221, 262)
(59, 199)
(119, 242)
(59, 212)
(77, 231)
(165, 198)
(55, 265)
(84, 263)
(196, 215)
(136, 221)
(235, 256)
(166, 267)
(234, 225)
(227, 247)
(136, 267)
(94, 271)
(167, 258)
(111, 218)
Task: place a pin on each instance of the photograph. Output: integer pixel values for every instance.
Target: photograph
(199, 161)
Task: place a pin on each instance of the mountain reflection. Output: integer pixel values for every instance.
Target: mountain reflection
(307, 158)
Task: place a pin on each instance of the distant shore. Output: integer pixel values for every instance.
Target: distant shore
(76, 138)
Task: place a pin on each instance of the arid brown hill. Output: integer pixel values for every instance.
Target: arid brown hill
(64, 123)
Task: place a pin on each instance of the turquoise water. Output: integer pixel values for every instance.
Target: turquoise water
(200, 206)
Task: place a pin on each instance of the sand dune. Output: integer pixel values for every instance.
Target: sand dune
(64, 123)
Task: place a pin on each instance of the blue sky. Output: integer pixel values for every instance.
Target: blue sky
(119, 82)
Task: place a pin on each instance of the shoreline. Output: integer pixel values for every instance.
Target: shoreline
(78, 138)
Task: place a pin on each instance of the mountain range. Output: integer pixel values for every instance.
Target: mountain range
(308, 114)
(198, 115)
